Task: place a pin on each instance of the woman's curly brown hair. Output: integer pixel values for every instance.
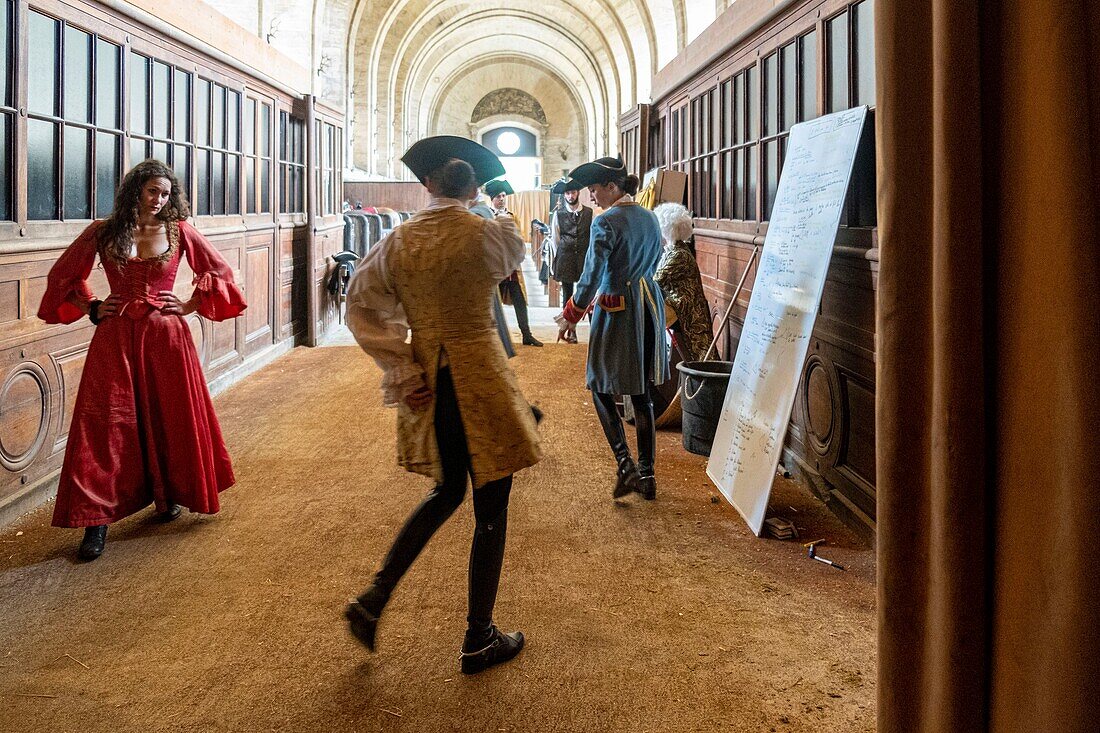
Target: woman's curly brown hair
(116, 235)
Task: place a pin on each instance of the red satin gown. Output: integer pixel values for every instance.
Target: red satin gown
(143, 428)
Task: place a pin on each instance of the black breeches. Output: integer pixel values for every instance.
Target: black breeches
(566, 292)
(512, 287)
(644, 421)
(490, 512)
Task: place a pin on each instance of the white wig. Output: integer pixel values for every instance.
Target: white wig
(676, 223)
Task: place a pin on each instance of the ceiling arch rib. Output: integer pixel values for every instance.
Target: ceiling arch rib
(446, 57)
(614, 49)
(584, 111)
(593, 85)
(622, 42)
(452, 84)
(522, 32)
(594, 101)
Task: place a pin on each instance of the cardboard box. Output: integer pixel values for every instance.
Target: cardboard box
(671, 185)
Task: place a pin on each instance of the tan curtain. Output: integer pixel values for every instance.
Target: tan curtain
(989, 324)
(528, 205)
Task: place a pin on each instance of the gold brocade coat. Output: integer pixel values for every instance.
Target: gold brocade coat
(682, 285)
(439, 272)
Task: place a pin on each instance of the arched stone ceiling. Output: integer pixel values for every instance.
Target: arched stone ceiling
(388, 61)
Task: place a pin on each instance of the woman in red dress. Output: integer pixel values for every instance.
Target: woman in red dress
(143, 428)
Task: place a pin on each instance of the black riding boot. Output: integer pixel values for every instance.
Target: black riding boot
(644, 423)
(484, 645)
(627, 478)
(429, 516)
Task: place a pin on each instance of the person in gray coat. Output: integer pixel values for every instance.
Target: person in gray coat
(481, 208)
(627, 348)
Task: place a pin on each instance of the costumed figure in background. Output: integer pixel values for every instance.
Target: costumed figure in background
(460, 409)
(570, 229)
(682, 285)
(481, 208)
(627, 349)
(143, 428)
(513, 290)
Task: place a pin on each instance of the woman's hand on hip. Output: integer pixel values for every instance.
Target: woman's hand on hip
(173, 306)
(110, 307)
(420, 398)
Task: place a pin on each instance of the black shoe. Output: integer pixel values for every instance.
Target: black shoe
(647, 487)
(94, 540)
(537, 413)
(496, 649)
(173, 512)
(530, 340)
(628, 478)
(363, 614)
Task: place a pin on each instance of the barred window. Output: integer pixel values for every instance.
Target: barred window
(7, 109)
(292, 164)
(160, 116)
(218, 150)
(73, 126)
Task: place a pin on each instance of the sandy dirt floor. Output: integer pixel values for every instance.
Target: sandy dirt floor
(660, 616)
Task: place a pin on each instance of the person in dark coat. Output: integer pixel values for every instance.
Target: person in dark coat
(627, 348)
(570, 230)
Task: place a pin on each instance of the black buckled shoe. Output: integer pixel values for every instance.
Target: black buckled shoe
(497, 649)
(173, 512)
(95, 538)
(530, 340)
(363, 614)
(628, 478)
(647, 487)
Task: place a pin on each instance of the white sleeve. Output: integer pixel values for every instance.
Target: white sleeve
(377, 320)
(504, 248)
(552, 250)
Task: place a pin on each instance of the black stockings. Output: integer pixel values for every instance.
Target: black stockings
(490, 512)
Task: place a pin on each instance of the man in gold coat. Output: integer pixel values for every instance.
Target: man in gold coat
(460, 410)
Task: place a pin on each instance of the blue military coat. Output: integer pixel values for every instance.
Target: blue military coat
(622, 257)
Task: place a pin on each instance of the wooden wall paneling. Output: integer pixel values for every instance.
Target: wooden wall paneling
(10, 298)
(259, 273)
(329, 241)
(293, 278)
(830, 440)
(200, 336)
(258, 317)
(397, 195)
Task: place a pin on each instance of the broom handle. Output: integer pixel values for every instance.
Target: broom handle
(733, 300)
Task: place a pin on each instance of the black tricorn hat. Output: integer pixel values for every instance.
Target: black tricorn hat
(564, 184)
(432, 153)
(495, 188)
(601, 170)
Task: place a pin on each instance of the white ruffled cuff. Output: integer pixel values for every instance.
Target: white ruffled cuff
(564, 324)
(401, 381)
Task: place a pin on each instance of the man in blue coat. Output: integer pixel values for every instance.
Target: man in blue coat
(627, 349)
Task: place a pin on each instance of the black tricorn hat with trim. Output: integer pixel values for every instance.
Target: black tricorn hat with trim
(432, 153)
(564, 184)
(601, 170)
(495, 188)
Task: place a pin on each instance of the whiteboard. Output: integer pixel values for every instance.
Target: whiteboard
(782, 309)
